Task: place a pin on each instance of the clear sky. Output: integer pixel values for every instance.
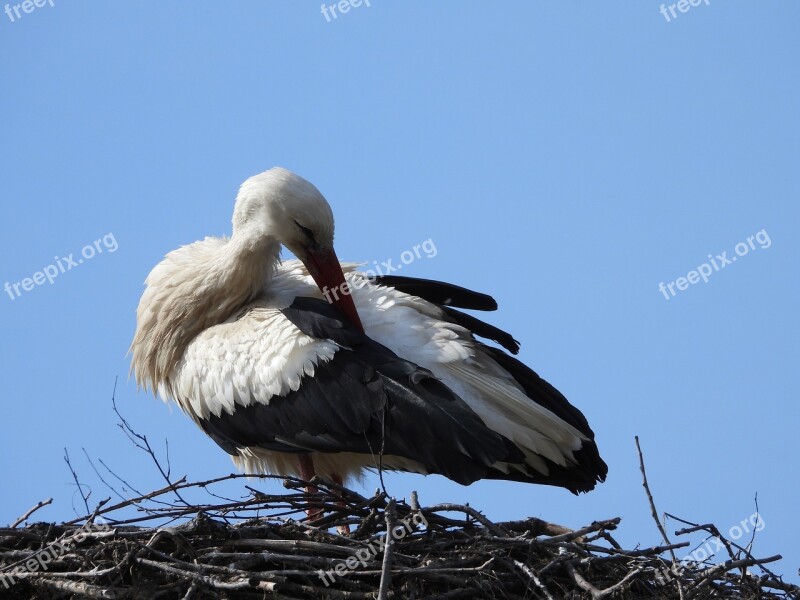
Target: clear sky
(565, 157)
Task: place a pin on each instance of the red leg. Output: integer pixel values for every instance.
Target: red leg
(339, 480)
(307, 473)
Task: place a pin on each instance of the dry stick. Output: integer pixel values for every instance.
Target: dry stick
(414, 503)
(753, 536)
(77, 483)
(367, 525)
(234, 558)
(654, 512)
(535, 526)
(446, 538)
(578, 533)
(468, 510)
(132, 501)
(609, 538)
(24, 517)
(100, 477)
(332, 485)
(133, 436)
(709, 528)
(83, 590)
(429, 570)
(192, 591)
(323, 530)
(581, 582)
(712, 529)
(293, 545)
(655, 551)
(180, 484)
(749, 547)
(778, 585)
(620, 586)
(415, 507)
(113, 474)
(710, 573)
(64, 574)
(439, 551)
(386, 571)
(533, 577)
(201, 569)
(205, 580)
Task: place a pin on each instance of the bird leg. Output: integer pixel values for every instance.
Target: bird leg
(339, 480)
(307, 473)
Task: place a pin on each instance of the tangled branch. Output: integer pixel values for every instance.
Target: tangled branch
(187, 540)
(264, 543)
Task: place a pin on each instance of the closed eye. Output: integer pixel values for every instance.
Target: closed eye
(308, 233)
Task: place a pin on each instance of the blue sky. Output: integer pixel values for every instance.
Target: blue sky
(566, 158)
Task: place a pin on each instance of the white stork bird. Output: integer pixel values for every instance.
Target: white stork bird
(388, 374)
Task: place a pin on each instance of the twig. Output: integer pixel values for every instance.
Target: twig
(224, 545)
(85, 497)
(534, 578)
(143, 444)
(654, 512)
(386, 571)
(30, 511)
(492, 527)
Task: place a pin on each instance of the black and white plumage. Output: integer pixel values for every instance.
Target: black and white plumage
(389, 375)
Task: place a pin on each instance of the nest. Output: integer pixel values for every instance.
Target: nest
(265, 546)
(187, 541)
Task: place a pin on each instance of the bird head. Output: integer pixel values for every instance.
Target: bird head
(283, 206)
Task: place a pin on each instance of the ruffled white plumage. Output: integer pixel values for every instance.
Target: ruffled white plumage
(259, 354)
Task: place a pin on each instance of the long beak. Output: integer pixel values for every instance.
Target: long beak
(324, 267)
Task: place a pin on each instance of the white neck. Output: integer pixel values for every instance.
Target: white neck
(194, 288)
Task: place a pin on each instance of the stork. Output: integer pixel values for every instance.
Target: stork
(388, 373)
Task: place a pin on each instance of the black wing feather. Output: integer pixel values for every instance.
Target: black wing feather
(483, 329)
(446, 296)
(365, 399)
(591, 468)
(438, 292)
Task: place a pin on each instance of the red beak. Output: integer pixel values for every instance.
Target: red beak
(324, 267)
